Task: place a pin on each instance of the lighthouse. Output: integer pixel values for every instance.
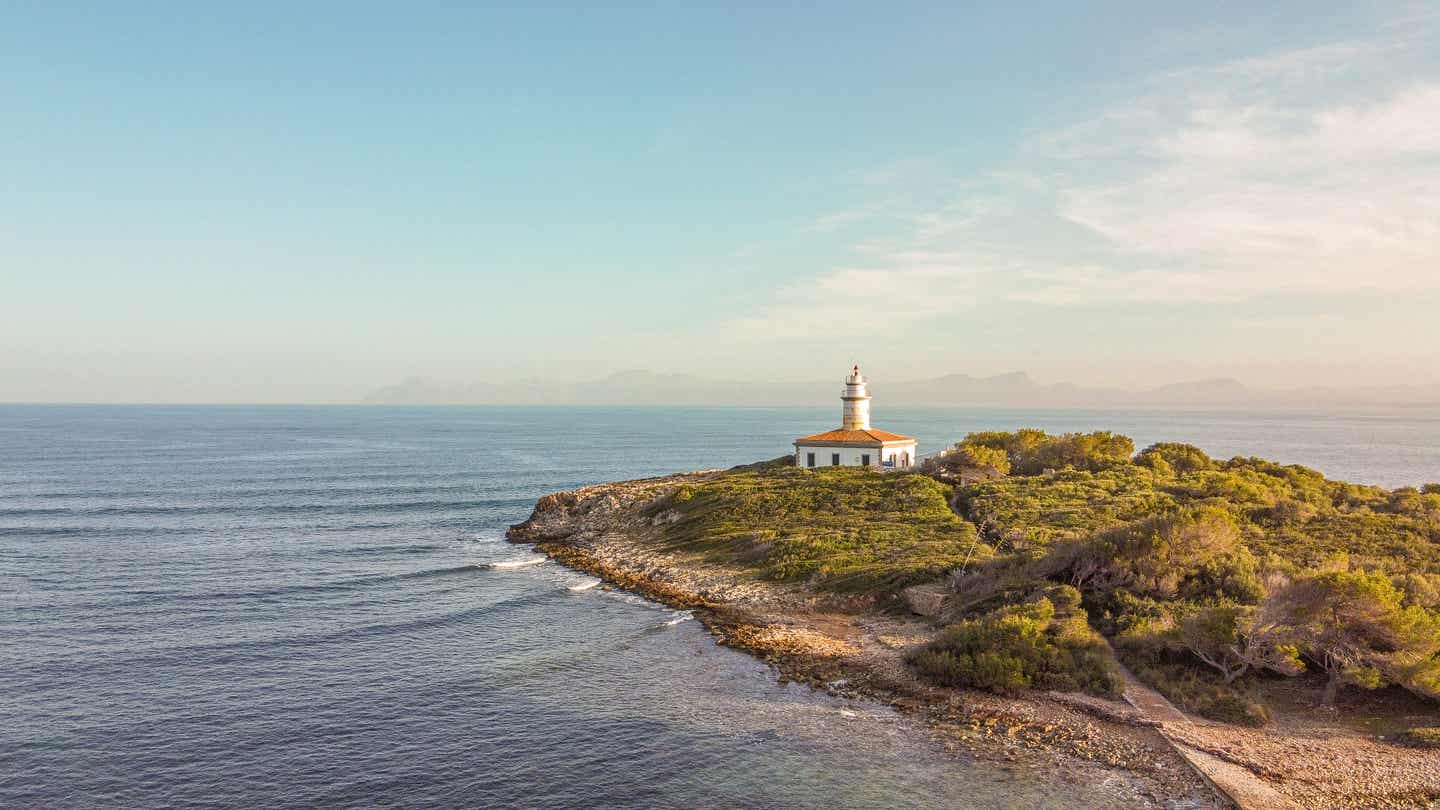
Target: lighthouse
(856, 396)
(855, 443)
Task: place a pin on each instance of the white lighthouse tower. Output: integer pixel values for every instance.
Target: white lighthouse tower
(855, 414)
(855, 444)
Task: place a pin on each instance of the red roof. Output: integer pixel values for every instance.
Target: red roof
(871, 436)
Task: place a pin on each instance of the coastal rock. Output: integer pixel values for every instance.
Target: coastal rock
(927, 599)
(666, 517)
(551, 519)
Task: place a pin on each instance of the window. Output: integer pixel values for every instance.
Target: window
(864, 459)
(809, 459)
(834, 459)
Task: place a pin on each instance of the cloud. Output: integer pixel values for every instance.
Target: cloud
(1313, 171)
(1274, 198)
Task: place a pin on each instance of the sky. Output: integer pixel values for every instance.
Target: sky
(302, 202)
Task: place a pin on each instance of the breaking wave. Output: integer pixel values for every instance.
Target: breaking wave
(505, 565)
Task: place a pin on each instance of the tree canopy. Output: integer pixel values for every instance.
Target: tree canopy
(1231, 567)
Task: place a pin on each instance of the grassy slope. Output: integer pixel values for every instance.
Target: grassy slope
(848, 529)
(842, 528)
(1289, 511)
(1030, 512)
(854, 529)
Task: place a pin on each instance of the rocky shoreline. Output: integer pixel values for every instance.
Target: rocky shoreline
(849, 647)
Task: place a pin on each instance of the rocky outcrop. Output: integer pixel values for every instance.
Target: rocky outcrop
(552, 519)
(579, 516)
(925, 600)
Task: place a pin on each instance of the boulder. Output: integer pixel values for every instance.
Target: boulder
(927, 599)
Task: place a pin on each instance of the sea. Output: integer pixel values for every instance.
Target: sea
(277, 606)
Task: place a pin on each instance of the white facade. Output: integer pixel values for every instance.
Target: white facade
(900, 455)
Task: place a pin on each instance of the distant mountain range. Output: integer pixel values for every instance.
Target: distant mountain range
(1003, 390)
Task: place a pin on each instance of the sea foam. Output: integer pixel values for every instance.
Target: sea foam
(508, 564)
(678, 617)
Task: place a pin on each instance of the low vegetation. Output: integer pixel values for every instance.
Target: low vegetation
(1198, 691)
(1208, 573)
(1421, 737)
(839, 528)
(1204, 575)
(1044, 642)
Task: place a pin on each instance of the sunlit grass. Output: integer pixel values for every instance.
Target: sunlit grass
(841, 528)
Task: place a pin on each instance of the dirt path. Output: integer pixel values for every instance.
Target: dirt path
(1246, 790)
(1147, 701)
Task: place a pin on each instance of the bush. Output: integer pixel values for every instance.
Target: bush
(1233, 708)
(1029, 645)
(1195, 549)
(1356, 625)
(1084, 451)
(1421, 737)
(1198, 692)
(1168, 548)
(1288, 510)
(1032, 451)
(969, 461)
(1179, 458)
(1421, 589)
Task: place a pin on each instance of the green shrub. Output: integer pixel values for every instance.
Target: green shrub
(1197, 691)
(969, 461)
(1420, 589)
(1288, 510)
(1421, 737)
(1032, 451)
(1176, 457)
(1036, 511)
(1229, 707)
(1028, 645)
(1205, 560)
(1195, 549)
(1358, 627)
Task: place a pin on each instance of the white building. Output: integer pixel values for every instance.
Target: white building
(855, 443)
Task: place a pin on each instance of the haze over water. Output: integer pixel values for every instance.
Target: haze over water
(298, 606)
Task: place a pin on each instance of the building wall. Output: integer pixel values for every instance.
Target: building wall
(850, 456)
(904, 456)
